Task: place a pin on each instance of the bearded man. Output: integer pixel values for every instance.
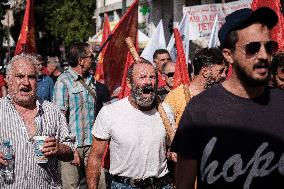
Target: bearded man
(231, 135)
(137, 137)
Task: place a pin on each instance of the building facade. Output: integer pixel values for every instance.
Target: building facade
(150, 12)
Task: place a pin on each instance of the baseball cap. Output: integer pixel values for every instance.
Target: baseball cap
(244, 17)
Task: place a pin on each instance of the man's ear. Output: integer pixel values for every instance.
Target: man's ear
(205, 71)
(228, 55)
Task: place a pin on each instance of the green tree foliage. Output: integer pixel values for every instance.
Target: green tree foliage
(69, 20)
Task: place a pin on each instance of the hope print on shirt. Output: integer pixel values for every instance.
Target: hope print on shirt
(260, 165)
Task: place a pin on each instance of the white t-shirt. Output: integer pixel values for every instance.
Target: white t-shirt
(137, 139)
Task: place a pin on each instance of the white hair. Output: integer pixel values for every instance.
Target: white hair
(26, 58)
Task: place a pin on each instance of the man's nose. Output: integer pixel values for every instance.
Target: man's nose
(25, 80)
(263, 54)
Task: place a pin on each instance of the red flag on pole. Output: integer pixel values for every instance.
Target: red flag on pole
(181, 74)
(99, 75)
(125, 90)
(27, 38)
(116, 53)
(277, 33)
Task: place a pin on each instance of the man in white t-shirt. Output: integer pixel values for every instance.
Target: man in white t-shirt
(136, 133)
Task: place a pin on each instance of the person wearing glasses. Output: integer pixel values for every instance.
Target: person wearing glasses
(168, 74)
(75, 94)
(209, 69)
(277, 71)
(231, 135)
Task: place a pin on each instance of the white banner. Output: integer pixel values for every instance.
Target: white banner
(201, 18)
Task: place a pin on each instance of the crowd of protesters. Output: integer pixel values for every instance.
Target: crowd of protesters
(228, 128)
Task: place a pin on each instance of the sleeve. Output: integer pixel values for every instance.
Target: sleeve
(101, 128)
(60, 95)
(51, 88)
(63, 133)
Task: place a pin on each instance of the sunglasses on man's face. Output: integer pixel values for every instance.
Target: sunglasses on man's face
(253, 48)
(170, 74)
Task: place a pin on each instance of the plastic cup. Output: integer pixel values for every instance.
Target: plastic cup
(38, 145)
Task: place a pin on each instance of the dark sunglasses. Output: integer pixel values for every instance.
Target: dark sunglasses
(90, 56)
(170, 74)
(253, 48)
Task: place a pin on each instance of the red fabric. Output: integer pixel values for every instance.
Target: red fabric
(99, 75)
(45, 71)
(277, 33)
(181, 74)
(125, 90)
(2, 83)
(116, 50)
(229, 72)
(161, 81)
(27, 35)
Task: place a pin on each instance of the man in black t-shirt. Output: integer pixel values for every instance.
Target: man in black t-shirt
(232, 135)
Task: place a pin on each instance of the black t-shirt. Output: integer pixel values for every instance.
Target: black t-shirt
(237, 142)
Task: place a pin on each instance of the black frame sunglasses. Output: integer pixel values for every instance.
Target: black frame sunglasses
(252, 48)
(170, 74)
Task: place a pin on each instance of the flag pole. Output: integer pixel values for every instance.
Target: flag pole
(132, 49)
(103, 46)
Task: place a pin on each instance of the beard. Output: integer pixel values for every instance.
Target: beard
(137, 95)
(248, 78)
(210, 81)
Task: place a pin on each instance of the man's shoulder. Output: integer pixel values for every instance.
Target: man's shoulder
(117, 105)
(174, 94)
(209, 95)
(49, 106)
(64, 76)
(276, 93)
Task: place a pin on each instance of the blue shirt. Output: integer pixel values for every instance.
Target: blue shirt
(45, 87)
(71, 96)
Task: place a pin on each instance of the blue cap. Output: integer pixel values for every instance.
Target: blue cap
(244, 17)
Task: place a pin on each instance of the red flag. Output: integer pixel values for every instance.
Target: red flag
(181, 74)
(27, 38)
(277, 33)
(125, 90)
(99, 75)
(116, 50)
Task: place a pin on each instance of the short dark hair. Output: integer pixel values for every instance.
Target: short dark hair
(206, 57)
(230, 41)
(141, 61)
(77, 50)
(277, 61)
(160, 51)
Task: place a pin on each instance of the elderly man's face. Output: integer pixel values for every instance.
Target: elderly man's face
(22, 83)
(144, 85)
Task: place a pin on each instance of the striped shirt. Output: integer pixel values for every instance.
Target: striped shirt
(71, 96)
(50, 122)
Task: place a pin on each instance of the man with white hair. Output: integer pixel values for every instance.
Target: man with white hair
(24, 116)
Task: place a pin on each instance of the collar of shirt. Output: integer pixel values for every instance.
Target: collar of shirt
(76, 77)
